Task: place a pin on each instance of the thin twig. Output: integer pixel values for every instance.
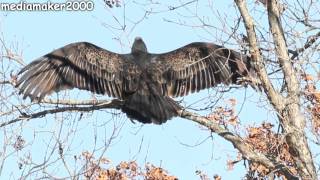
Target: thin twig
(311, 40)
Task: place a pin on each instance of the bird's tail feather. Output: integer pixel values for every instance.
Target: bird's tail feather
(150, 108)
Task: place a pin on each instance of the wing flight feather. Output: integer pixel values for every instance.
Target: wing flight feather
(198, 66)
(79, 65)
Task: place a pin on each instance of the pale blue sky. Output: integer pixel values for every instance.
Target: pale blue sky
(38, 33)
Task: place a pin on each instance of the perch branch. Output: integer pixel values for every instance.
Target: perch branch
(115, 104)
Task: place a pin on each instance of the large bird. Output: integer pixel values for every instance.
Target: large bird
(145, 81)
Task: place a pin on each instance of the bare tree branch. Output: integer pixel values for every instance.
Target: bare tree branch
(288, 108)
(116, 104)
(292, 119)
(246, 151)
(271, 93)
(311, 40)
(281, 46)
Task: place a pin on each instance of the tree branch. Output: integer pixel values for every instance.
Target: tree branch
(5, 82)
(287, 108)
(72, 102)
(275, 98)
(311, 40)
(281, 47)
(115, 104)
(292, 120)
(246, 151)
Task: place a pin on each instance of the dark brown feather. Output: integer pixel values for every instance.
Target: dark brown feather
(199, 66)
(79, 65)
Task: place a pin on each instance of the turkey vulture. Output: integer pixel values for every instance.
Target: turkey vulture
(145, 81)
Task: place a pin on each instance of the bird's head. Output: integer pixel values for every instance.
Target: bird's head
(138, 46)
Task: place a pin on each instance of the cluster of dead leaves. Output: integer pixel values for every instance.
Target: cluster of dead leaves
(313, 96)
(225, 115)
(264, 140)
(102, 170)
(157, 173)
(19, 143)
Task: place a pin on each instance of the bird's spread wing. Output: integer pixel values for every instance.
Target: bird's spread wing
(79, 65)
(197, 66)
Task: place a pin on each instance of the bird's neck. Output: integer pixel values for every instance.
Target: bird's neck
(141, 58)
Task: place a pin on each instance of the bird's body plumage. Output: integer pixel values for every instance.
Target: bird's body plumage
(143, 80)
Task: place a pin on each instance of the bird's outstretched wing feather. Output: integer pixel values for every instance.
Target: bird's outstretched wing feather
(79, 65)
(198, 66)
